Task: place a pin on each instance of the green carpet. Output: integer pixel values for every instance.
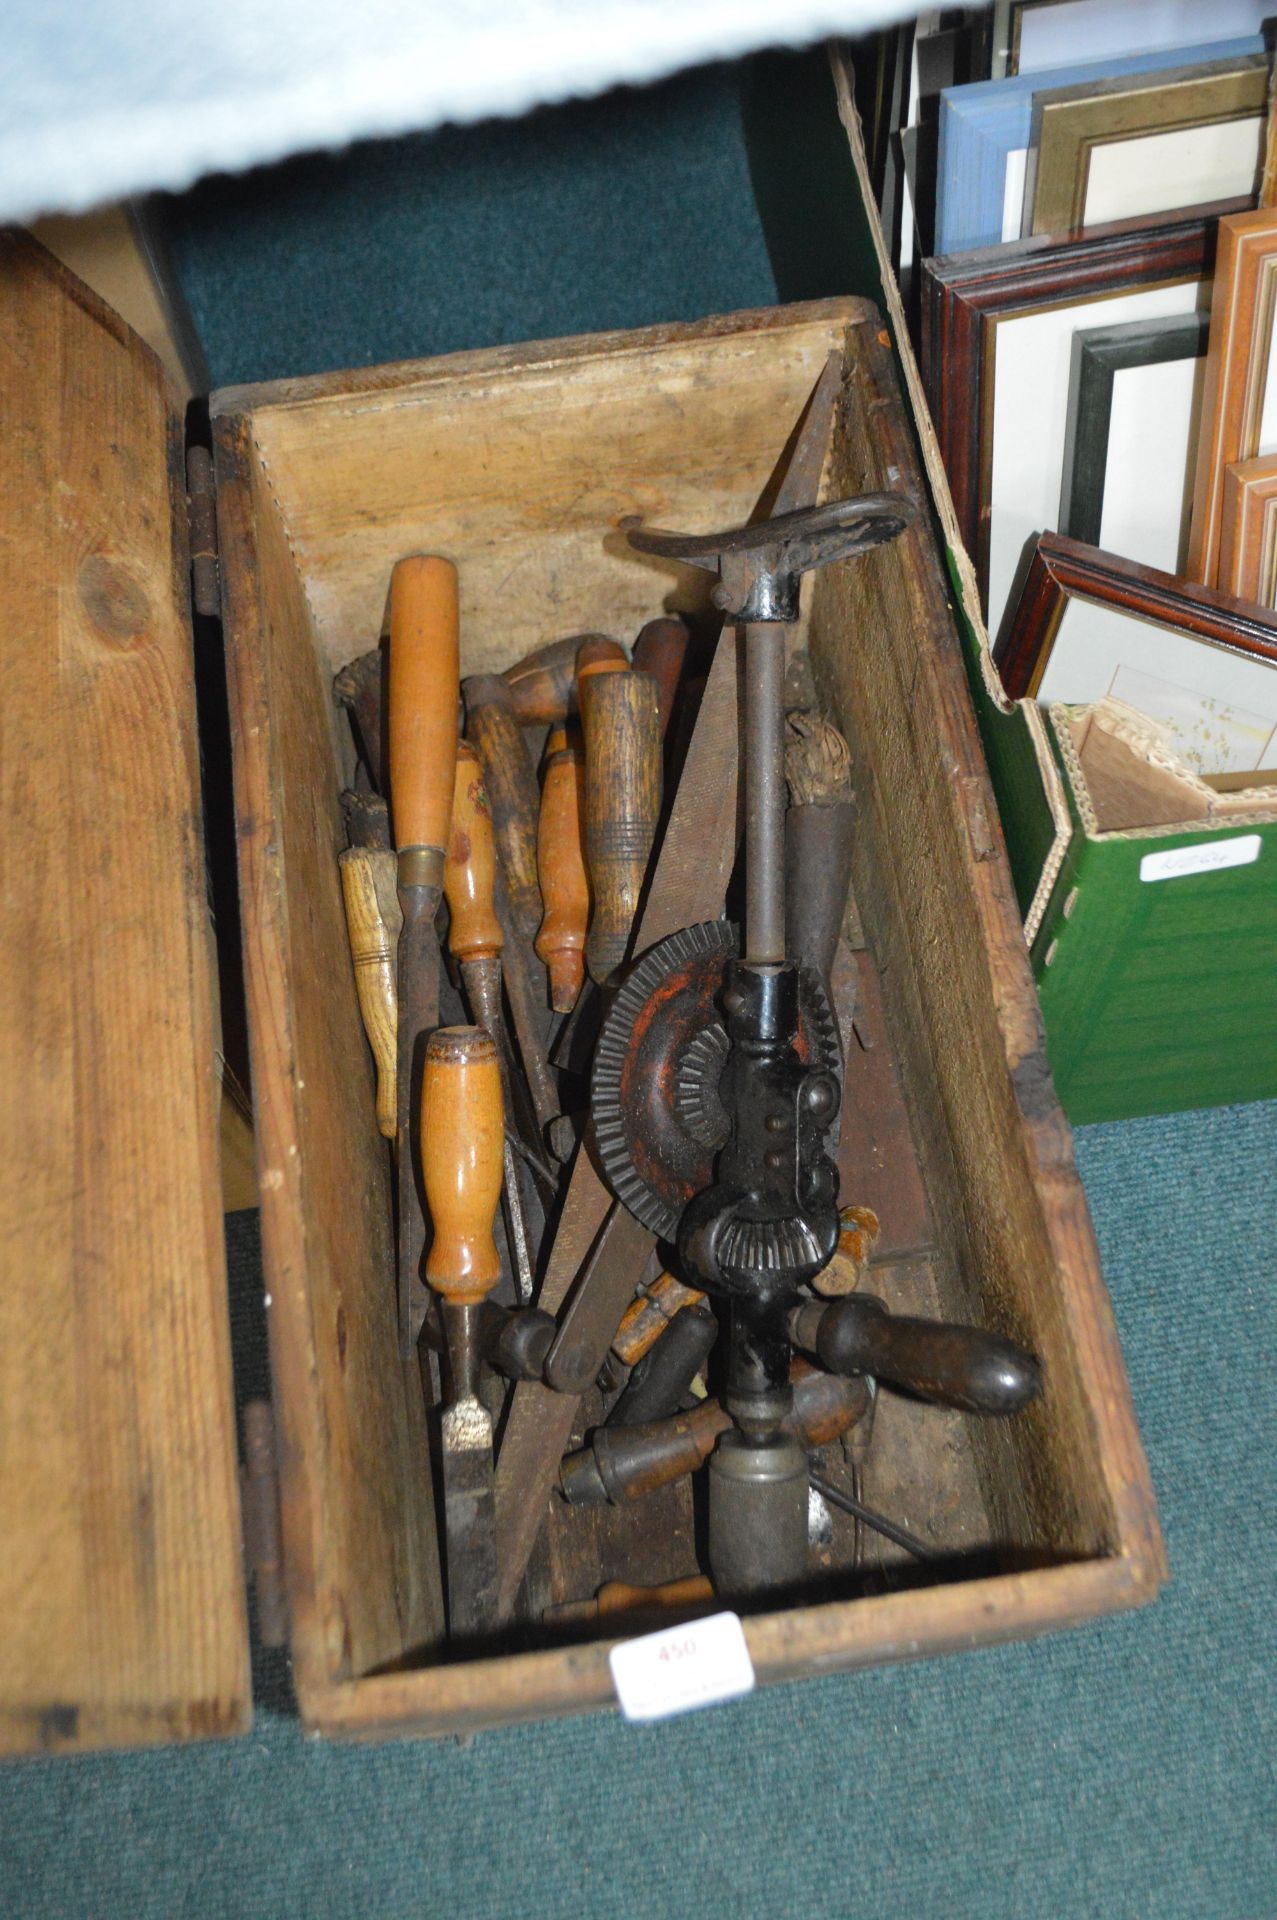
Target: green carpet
(1126, 1769)
(1123, 1770)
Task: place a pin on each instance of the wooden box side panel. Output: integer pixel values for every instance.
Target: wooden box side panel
(358, 1510)
(121, 1583)
(935, 892)
(516, 462)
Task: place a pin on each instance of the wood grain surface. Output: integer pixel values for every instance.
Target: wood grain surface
(121, 1582)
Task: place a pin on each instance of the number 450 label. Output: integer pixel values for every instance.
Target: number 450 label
(691, 1665)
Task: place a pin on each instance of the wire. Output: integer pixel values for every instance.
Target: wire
(878, 1521)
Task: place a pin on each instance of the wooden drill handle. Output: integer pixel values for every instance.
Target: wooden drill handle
(645, 1319)
(373, 920)
(543, 684)
(511, 786)
(620, 717)
(469, 870)
(463, 1140)
(565, 888)
(424, 654)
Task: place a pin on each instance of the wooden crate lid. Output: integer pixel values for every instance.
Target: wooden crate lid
(121, 1585)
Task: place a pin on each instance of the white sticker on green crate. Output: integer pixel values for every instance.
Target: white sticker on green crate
(695, 1664)
(1208, 856)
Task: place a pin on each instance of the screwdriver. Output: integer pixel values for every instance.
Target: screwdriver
(475, 942)
(422, 740)
(462, 1131)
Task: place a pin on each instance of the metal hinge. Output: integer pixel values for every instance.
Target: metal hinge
(201, 510)
(259, 1508)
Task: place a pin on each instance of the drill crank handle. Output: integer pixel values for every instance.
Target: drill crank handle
(956, 1366)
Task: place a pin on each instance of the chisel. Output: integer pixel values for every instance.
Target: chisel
(373, 919)
(661, 650)
(620, 720)
(462, 1133)
(475, 942)
(422, 740)
(565, 887)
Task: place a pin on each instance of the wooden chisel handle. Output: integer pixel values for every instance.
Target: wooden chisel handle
(621, 722)
(565, 888)
(661, 650)
(463, 1134)
(424, 666)
(422, 750)
(469, 871)
(373, 920)
(510, 782)
(597, 654)
(543, 684)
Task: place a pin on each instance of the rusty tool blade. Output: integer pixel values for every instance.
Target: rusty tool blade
(466, 1430)
(689, 884)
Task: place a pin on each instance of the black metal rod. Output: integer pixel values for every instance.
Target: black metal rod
(764, 794)
(878, 1521)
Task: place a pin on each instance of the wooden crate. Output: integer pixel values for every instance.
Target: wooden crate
(519, 463)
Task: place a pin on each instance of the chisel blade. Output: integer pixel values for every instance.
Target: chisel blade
(469, 1518)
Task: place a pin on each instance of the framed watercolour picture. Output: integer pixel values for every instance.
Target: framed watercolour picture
(1131, 440)
(997, 336)
(1248, 531)
(1123, 148)
(1239, 398)
(985, 134)
(1203, 668)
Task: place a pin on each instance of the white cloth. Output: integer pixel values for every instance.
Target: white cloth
(100, 99)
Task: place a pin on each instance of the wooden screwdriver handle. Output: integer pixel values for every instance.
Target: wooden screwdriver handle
(621, 722)
(511, 786)
(422, 730)
(469, 870)
(565, 888)
(373, 920)
(543, 684)
(463, 1136)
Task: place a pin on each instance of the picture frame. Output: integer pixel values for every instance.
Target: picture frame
(1200, 665)
(1028, 36)
(1248, 537)
(1130, 146)
(997, 329)
(1239, 396)
(1150, 447)
(984, 134)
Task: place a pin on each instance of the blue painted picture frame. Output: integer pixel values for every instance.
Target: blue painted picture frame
(981, 124)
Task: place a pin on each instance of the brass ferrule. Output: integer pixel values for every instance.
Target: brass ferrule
(420, 867)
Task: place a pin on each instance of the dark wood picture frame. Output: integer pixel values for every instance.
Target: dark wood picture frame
(1099, 355)
(1062, 567)
(965, 296)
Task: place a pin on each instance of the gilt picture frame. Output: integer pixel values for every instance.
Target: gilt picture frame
(1027, 36)
(1139, 144)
